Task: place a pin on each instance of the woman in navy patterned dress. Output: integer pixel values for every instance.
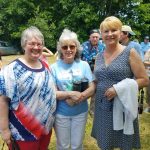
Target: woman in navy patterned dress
(116, 63)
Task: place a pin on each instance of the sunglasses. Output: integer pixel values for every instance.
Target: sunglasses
(71, 47)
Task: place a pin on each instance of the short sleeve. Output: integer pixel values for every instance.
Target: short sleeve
(53, 72)
(9, 86)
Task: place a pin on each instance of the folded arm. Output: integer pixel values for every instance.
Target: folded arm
(75, 96)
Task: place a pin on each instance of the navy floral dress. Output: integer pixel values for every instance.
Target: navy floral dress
(102, 130)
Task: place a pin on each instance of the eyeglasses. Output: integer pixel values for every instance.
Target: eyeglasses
(71, 47)
(35, 44)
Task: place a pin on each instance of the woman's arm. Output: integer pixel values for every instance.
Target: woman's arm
(85, 94)
(75, 96)
(138, 69)
(4, 121)
(1, 64)
(46, 52)
(63, 95)
(89, 91)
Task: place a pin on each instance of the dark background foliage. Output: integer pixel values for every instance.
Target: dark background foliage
(52, 16)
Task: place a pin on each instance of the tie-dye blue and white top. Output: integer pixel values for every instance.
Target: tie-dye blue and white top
(32, 100)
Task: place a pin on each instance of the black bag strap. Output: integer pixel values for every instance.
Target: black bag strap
(15, 145)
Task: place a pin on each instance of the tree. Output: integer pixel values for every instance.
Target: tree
(52, 16)
(143, 22)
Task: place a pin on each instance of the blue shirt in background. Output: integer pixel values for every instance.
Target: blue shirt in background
(137, 47)
(145, 46)
(89, 52)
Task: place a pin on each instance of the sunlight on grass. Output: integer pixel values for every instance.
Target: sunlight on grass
(89, 142)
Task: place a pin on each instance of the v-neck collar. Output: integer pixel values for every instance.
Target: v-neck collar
(107, 65)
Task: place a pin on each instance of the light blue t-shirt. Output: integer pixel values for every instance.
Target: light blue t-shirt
(145, 46)
(138, 48)
(64, 75)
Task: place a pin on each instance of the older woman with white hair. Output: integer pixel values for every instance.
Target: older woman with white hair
(27, 97)
(74, 83)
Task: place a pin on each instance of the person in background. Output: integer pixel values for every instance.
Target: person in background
(56, 55)
(113, 67)
(27, 96)
(147, 66)
(46, 53)
(145, 45)
(75, 83)
(125, 39)
(90, 49)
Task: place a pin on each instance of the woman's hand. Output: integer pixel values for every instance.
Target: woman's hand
(70, 102)
(4, 119)
(110, 93)
(75, 97)
(6, 136)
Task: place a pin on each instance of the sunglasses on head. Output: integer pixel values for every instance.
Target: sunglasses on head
(71, 47)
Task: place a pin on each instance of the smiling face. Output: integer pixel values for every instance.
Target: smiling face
(111, 36)
(33, 48)
(111, 30)
(68, 50)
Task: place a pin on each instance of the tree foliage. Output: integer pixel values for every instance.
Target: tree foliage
(52, 16)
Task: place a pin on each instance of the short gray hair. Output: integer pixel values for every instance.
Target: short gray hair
(29, 33)
(71, 36)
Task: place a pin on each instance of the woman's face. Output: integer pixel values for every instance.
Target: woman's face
(111, 36)
(68, 50)
(33, 48)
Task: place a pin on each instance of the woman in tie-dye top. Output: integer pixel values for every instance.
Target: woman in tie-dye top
(28, 96)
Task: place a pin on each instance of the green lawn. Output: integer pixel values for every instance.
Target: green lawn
(89, 142)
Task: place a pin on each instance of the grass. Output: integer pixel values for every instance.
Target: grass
(89, 142)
